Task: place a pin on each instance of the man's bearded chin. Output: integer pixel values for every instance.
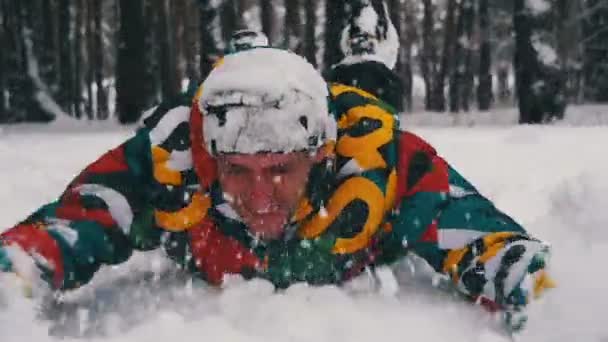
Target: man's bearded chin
(270, 226)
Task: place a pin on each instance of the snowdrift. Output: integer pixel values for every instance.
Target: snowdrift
(551, 179)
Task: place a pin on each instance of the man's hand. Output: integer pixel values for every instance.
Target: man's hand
(21, 277)
(5, 263)
(534, 283)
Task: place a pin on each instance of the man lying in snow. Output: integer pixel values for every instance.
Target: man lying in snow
(270, 172)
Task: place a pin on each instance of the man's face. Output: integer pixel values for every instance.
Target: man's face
(265, 188)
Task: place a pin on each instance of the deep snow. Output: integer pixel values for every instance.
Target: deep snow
(551, 179)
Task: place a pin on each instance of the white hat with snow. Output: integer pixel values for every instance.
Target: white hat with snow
(265, 100)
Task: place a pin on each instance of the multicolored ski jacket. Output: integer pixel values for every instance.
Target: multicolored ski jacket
(383, 194)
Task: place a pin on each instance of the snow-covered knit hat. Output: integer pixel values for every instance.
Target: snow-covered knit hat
(265, 100)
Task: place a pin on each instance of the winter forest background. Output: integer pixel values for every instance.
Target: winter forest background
(113, 59)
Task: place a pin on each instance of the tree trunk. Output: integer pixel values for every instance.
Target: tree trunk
(427, 53)
(526, 68)
(502, 74)
(130, 92)
(569, 36)
(169, 80)
(89, 57)
(48, 51)
(23, 84)
(595, 60)
(335, 19)
(310, 41)
(209, 49)
(15, 72)
(98, 64)
(66, 70)
(468, 74)
(3, 61)
(191, 43)
(428, 60)
(457, 75)
(484, 88)
(228, 20)
(293, 26)
(396, 12)
(267, 17)
(409, 36)
(446, 58)
(77, 82)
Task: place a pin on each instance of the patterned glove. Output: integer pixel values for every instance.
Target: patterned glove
(534, 283)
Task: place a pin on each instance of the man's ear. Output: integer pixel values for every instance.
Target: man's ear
(322, 153)
(325, 151)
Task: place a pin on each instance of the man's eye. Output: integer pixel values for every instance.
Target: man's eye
(235, 170)
(280, 169)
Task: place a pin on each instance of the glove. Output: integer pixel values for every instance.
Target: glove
(534, 283)
(24, 276)
(5, 263)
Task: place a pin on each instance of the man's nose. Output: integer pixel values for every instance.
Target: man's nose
(261, 195)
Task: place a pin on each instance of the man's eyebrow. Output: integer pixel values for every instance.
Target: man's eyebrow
(233, 165)
(281, 165)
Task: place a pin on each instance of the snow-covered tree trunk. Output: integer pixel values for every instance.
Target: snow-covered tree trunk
(484, 87)
(28, 97)
(540, 80)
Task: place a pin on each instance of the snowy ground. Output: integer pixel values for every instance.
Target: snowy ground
(552, 179)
